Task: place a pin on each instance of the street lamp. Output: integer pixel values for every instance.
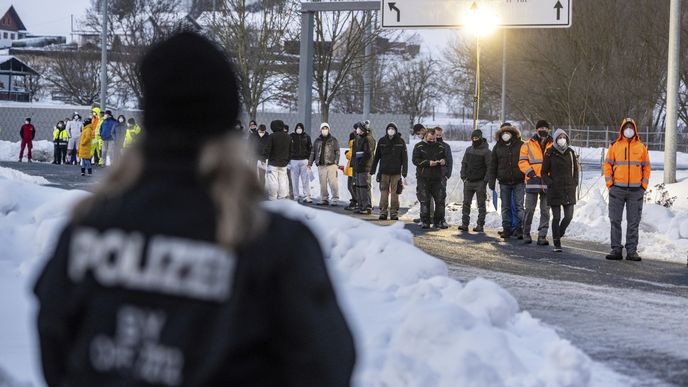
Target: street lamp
(481, 21)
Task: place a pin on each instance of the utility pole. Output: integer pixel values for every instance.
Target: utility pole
(476, 96)
(103, 56)
(368, 69)
(502, 114)
(670, 137)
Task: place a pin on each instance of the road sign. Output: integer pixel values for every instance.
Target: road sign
(458, 13)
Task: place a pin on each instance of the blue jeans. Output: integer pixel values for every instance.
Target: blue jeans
(505, 193)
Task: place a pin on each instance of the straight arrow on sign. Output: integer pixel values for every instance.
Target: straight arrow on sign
(558, 7)
(393, 7)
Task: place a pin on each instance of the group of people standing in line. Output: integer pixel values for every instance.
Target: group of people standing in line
(542, 171)
(86, 142)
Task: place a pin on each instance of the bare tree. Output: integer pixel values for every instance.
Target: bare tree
(133, 26)
(75, 75)
(254, 34)
(413, 88)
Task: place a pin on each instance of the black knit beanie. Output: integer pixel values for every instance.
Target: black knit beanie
(277, 126)
(477, 133)
(542, 124)
(190, 92)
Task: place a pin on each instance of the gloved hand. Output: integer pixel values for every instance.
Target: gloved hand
(531, 174)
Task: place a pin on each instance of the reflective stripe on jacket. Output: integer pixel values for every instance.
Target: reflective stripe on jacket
(530, 160)
(627, 164)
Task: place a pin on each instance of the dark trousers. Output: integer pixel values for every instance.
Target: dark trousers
(431, 190)
(60, 153)
(352, 189)
(505, 193)
(531, 203)
(559, 225)
(632, 199)
(479, 189)
(362, 184)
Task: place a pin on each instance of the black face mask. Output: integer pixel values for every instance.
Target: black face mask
(439, 139)
(543, 134)
(476, 143)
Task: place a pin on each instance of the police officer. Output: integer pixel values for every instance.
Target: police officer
(168, 274)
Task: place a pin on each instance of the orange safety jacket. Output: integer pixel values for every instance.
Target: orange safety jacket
(530, 160)
(627, 164)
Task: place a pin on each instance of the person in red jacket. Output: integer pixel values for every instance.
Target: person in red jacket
(27, 133)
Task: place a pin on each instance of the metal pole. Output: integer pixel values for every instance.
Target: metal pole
(103, 56)
(368, 69)
(670, 139)
(476, 97)
(305, 104)
(502, 115)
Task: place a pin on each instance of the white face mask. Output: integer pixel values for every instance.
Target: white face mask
(299, 131)
(506, 137)
(121, 120)
(359, 132)
(561, 142)
(391, 132)
(629, 132)
(325, 132)
(261, 133)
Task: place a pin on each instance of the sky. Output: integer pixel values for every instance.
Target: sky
(46, 17)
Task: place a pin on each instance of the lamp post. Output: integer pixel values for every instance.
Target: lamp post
(480, 22)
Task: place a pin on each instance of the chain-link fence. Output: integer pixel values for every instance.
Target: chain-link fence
(602, 136)
(44, 117)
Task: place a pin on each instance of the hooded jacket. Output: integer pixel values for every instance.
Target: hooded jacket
(259, 143)
(86, 142)
(300, 146)
(107, 128)
(476, 161)
(131, 134)
(505, 157)
(277, 149)
(560, 173)
(119, 131)
(627, 164)
(60, 136)
(392, 155)
(530, 162)
(74, 128)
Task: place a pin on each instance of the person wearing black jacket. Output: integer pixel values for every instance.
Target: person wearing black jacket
(169, 275)
(447, 169)
(258, 142)
(474, 166)
(362, 162)
(392, 156)
(504, 167)
(277, 152)
(429, 158)
(300, 152)
(560, 173)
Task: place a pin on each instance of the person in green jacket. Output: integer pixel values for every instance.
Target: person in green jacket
(132, 133)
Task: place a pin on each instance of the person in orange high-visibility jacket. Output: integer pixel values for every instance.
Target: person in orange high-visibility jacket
(627, 174)
(530, 163)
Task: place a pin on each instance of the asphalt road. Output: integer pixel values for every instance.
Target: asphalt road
(630, 316)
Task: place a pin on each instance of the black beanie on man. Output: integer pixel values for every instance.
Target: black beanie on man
(477, 133)
(183, 107)
(542, 124)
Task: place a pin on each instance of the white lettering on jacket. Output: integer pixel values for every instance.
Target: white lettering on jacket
(171, 265)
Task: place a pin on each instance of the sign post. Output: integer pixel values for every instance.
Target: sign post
(455, 13)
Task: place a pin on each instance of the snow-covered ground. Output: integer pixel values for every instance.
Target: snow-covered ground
(414, 326)
(42, 151)
(663, 231)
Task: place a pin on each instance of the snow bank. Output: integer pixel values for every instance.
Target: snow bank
(413, 325)
(13, 174)
(42, 151)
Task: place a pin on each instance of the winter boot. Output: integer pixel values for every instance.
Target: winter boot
(506, 234)
(518, 234)
(365, 212)
(307, 200)
(542, 241)
(443, 225)
(352, 206)
(394, 217)
(557, 246)
(90, 171)
(324, 203)
(416, 220)
(478, 229)
(83, 171)
(527, 239)
(615, 255)
(633, 257)
(426, 226)
(383, 216)
(463, 227)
